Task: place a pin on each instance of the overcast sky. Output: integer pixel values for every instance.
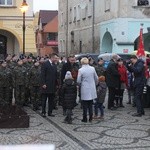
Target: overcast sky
(45, 5)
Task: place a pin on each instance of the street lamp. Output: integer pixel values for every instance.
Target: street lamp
(24, 8)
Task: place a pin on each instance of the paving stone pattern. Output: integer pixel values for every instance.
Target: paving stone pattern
(118, 131)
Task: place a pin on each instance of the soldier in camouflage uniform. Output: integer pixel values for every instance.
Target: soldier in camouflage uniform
(20, 83)
(59, 66)
(5, 84)
(100, 70)
(34, 85)
(11, 64)
(28, 63)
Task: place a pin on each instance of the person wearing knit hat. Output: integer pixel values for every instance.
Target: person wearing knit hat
(68, 75)
(68, 95)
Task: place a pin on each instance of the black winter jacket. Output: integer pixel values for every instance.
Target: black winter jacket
(138, 72)
(112, 75)
(69, 94)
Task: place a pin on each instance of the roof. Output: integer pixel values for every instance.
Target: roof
(51, 26)
(47, 15)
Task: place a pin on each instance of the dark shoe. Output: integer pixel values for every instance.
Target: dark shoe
(121, 106)
(143, 113)
(133, 105)
(65, 121)
(64, 113)
(113, 108)
(51, 115)
(84, 120)
(70, 121)
(38, 108)
(56, 108)
(90, 120)
(34, 109)
(43, 115)
(76, 104)
(137, 115)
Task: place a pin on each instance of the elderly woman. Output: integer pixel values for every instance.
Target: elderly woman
(87, 80)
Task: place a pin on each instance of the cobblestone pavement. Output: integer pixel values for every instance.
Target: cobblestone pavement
(119, 130)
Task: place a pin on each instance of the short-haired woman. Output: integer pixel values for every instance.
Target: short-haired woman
(87, 80)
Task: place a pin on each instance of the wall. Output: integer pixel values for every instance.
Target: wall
(11, 21)
(106, 11)
(124, 32)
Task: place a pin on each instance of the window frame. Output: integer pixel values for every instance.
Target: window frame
(6, 3)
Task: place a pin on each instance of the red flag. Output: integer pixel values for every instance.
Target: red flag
(141, 52)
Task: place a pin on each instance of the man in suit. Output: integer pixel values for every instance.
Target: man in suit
(48, 81)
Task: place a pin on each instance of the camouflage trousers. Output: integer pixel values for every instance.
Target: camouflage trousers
(35, 96)
(20, 95)
(5, 95)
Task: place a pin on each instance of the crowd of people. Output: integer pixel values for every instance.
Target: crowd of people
(35, 80)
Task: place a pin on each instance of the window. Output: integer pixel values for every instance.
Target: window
(142, 2)
(70, 15)
(83, 7)
(107, 5)
(78, 13)
(61, 18)
(52, 36)
(6, 2)
(84, 11)
(89, 8)
(62, 46)
(74, 14)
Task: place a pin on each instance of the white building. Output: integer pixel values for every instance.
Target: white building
(102, 25)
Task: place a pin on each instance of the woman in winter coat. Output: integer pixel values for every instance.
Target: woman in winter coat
(123, 82)
(69, 95)
(87, 80)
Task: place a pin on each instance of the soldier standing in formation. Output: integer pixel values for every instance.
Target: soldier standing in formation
(20, 83)
(34, 85)
(5, 84)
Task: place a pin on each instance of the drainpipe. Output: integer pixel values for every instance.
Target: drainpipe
(93, 29)
(67, 30)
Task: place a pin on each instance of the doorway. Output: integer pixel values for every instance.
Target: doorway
(3, 46)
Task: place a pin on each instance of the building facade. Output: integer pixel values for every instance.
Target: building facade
(100, 26)
(11, 28)
(47, 32)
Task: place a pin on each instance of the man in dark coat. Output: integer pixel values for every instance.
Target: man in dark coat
(137, 67)
(71, 66)
(48, 81)
(112, 81)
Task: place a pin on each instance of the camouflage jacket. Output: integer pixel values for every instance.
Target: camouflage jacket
(100, 70)
(34, 76)
(5, 77)
(20, 76)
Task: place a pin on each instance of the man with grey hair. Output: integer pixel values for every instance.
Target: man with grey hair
(112, 80)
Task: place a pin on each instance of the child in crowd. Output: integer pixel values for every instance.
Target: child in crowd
(101, 94)
(130, 87)
(69, 95)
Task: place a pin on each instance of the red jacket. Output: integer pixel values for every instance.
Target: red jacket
(123, 74)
